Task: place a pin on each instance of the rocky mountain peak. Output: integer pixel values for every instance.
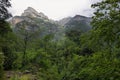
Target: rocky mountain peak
(30, 12)
(30, 9)
(79, 18)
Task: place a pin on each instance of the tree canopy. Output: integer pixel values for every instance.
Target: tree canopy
(4, 13)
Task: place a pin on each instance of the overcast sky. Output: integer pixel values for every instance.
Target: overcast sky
(54, 9)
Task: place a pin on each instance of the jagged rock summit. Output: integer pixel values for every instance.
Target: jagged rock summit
(28, 15)
(30, 12)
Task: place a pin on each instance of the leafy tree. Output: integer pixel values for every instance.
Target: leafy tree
(56, 61)
(104, 40)
(27, 38)
(106, 24)
(4, 29)
(99, 67)
(7, 39)
(4, 14)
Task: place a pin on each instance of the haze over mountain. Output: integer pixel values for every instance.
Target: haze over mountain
(54, 9)
(33, 21)
(37, 21)
(79, 22)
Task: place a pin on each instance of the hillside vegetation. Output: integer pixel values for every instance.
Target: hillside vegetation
(33, 47)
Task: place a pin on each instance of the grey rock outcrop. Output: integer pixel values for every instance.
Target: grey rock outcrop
(30, 12)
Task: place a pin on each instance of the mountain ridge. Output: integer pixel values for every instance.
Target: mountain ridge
(33, 19)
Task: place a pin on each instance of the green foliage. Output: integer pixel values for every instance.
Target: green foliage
(1, 66)
(100, 67)
(4, 14)
(68, 58)
(74, 35)
(15, 77)
(106, 24)
(103, 39)
(4, 30)
(23, 77)
(56, 62)
(7, 43)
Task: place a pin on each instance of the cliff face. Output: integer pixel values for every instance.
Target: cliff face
(16, 20)
(27, 14)
(30, 12)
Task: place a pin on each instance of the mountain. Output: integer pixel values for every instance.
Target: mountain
(78, 22)
(64, 21)
(34, 21)
(28, 13)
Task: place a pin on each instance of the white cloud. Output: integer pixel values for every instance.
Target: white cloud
(54, 9)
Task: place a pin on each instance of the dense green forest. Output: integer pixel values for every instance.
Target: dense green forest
(90, 55)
